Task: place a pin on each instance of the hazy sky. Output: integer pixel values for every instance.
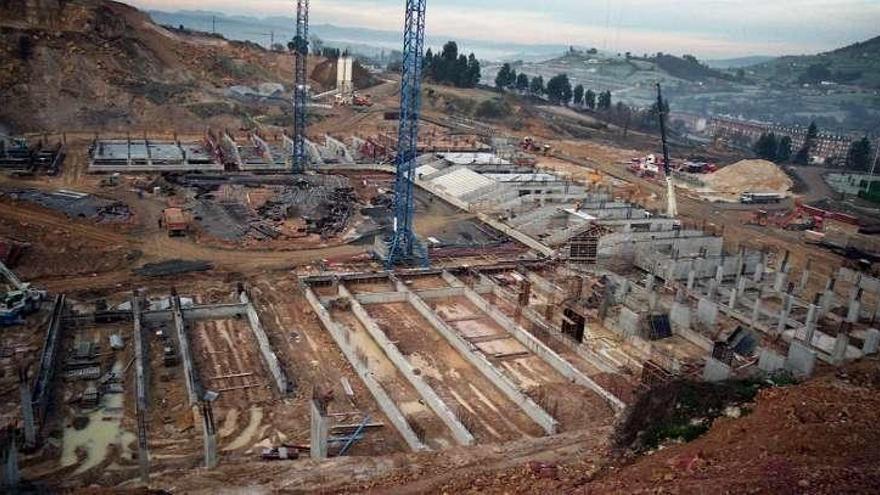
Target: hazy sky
(706, 28)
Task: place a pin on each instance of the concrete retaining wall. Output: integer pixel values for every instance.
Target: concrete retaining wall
(536, 346)
(459, 432)
(266, 351)
(193, 391)
(470, 353)
(385, 403)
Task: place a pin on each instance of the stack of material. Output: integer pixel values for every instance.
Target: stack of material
(750, 176)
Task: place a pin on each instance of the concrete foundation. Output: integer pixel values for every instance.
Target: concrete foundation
(770, 361)
(716, 371)
(385, 403)
(801, 360)
(707, 313)
(265, 347)
(872, 341)
(319, 430)
(459, 432)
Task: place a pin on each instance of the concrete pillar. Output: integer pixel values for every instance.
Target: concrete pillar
(787, 303)
(780, 280)
(812, 314)
(320, 430)
(769, 361)
(758, 276)
(649, 283)
(11, 472)
(838, 353)
(732, 300)
(805, 278)
(713, 289)
(756, 311)
(827, 302)
(719, 274)
(692, 277)
(872, 342)
(855, 307)
(740, 286)
(210, 436)
(27, 410)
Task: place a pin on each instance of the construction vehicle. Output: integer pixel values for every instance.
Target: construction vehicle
(174, 221)
(353, 99)
(530, 145)
(19, 300)
(671, 202)
(748, 198)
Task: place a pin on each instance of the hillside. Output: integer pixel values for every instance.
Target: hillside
(97, 64)
(857, 64)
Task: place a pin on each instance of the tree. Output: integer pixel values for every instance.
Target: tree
(590, 99)
(579, 94)
(604, 100)
(802, 157)
(536, 87)
(522, 82)
(505, 75)
(783, 150)
(474, 71)
(860, 154)
(559, 89)
(428, 64)
(766, 146)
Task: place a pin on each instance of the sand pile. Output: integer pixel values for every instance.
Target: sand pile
(749, 175)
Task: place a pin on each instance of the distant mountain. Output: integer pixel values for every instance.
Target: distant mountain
(370, 42)
(856, 65)
(737, 63)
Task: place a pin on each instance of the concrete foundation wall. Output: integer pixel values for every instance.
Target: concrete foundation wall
(536, 346)
(265, 347)
(193, 391)
(381, 298)
(471, 354)
(385, 403)
(459, 432)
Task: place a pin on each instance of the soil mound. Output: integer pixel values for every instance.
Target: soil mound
(750, 176)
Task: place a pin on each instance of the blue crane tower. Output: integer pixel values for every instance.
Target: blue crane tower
(404, 248)
(300, 90)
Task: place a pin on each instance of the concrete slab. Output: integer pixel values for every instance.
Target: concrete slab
(801, 360)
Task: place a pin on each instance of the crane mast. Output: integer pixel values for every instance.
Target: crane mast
(404, 248)
(300, 90)
(671, 202)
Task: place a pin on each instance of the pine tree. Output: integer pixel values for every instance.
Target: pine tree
(536, 87)
(803, 155)
(501, 80)
(579, 94)
(590, 99)
(559, 89)
(522, 82)
(860, 155)
(783, 150)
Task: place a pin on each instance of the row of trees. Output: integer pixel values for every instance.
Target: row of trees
(558, 89)
(452, 68)
(773, 148)
(779, 149)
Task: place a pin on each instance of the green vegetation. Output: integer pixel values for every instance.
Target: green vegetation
(860, 155)
(802, 157)
(559, 89)
(452, 68)
(773, 148)
(493, 109)
(506, 78)
(536, 87)
(681, 410)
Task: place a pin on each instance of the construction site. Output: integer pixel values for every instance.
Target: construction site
(359, 301)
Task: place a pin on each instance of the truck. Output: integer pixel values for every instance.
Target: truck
(175, 222)
(747, 198)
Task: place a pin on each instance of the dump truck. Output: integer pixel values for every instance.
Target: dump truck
(175, 222)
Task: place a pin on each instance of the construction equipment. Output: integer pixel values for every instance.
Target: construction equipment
(300, 92)
(404, 248)
(175, 222)
(19, 301)
(671, 203)
(530, 145)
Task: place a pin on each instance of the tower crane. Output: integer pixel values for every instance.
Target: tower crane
(404, 248)
(671, 203)
(300, 90)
